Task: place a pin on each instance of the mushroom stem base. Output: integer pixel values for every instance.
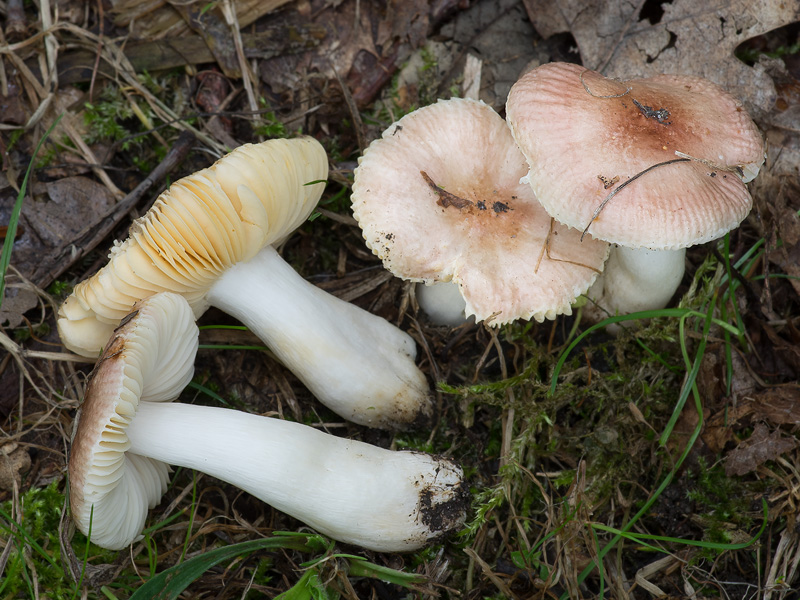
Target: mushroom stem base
(356, 363)
(636, 279)
(351, 491)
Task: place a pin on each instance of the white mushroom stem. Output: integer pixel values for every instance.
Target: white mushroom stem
(359, 365)
(351, 491)
(636, 279)
(442, 302)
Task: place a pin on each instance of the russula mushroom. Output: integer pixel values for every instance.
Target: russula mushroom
(129, 433)
(653, 165)
(209, 237)
(439, 199)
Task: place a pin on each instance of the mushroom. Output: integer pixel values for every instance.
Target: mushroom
(439, 199)
(129, 433)
(210, 237)
(653, 165)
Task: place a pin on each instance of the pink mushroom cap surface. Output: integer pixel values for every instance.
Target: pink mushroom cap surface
(438, 198)
(585, 135)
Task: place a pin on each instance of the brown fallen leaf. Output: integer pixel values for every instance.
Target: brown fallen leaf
(760, 447)
(12, 107)
(47, 223)
(788, 352)
(364, 44)
(14, 461)
(779, 197)
(778, 406)
(690, 37)
(498, 34)
(208, 21)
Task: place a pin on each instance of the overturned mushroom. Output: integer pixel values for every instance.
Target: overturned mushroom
(129, 433)
(209, 237)
(654, 165)
(438, 198)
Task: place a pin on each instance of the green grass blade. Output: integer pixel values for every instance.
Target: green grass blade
(20, 533)
(5, 257)
(308, 587)
(689, 383)
(647, 314)
(689, 386)
(638, 537)
(169, 584)
(209, 392)
(361, 567)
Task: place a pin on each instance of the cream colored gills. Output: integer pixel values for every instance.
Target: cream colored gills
(209, 238)
(129, 431)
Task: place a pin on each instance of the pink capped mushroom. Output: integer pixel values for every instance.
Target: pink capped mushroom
(652, 165)
(439, 199)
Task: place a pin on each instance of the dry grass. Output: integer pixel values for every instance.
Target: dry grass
(554, 475)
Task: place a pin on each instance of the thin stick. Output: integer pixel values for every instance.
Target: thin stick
(631, 180)
(546, 252)
(358, 124)
(593, 95)
(545, 247)
(60, 259)
(711, 165)
(232, 20)
(445, 198)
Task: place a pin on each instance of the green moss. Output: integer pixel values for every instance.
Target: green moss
(35, 533)
(269, 126)
(723, 504)
(107, 118)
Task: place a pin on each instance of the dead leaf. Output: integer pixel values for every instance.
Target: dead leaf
(787, 352)
(364, 44)
(406, 19)
(690, 38)
(760, 447)
(12, 107)
(14, 460)
(212, 90)
(209, 23)
(499, 34)
(72, 204)
(779, 406)
(743, 383)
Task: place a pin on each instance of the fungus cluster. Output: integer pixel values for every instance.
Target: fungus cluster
(503, 220)
(650, 165)
(129, 432)
(210, 238)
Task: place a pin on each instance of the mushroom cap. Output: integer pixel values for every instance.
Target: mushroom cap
(150, 358)
(495, 245)
(202, 225)
(585, 136)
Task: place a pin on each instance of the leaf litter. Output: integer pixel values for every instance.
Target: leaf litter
(584, 456)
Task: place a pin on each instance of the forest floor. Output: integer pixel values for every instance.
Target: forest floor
(660, 462)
